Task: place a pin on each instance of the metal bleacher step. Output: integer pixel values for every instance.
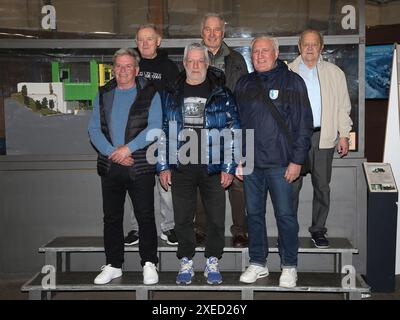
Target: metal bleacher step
(57, 253)
(340, 247)
(96, 244)
(132, 281)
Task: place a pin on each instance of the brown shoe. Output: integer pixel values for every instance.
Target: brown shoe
(240, 241)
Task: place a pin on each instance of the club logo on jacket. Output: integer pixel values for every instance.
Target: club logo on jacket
(273, 94)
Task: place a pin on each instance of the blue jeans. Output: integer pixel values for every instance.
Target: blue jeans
(256, 187)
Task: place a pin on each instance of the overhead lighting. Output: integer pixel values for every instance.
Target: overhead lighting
(103, 32)
(16, 34)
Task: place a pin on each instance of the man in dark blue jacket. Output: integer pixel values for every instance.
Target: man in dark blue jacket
(200, 109)
(280, 148)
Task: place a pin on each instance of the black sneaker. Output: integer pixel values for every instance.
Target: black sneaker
(170, 237)
(132, 238)
(319, 239)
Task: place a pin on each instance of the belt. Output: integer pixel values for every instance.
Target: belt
(317, 129)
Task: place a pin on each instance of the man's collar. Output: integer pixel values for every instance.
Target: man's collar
(318, 62)
(223, 49)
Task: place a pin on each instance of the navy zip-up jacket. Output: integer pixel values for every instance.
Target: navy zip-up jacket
(288, 92)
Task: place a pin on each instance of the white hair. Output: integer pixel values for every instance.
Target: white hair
(274, 41)
(212, 15)
(127, 52)
(196, 46)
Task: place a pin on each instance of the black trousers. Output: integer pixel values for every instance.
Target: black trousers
(141, 191)
(185, 182)
(236, 199)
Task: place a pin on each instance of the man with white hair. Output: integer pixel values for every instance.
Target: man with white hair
(273, 102)
(199, 101)
(234, 66)
(156, 67)
(332, 126)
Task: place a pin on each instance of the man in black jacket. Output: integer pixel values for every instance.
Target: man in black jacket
(162, 72)
(234, 66)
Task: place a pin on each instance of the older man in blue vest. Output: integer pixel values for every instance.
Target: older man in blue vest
(124, 111)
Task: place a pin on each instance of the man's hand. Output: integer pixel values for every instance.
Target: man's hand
(343, 147)
(120, 154)
(292, 172)
(239, 172)
(128, 162)
(165, 179)
(226, 179)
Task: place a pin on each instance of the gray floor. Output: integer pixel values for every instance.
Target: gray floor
(10, 290)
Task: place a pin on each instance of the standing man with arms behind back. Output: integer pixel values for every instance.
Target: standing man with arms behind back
(330, 103)
(234, 66)
(157, 68)
(280, 148)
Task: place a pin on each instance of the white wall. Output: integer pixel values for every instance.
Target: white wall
(392, 140)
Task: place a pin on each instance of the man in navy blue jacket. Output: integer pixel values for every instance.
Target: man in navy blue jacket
(278, 156)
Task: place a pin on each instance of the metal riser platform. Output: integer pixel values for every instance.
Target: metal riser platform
(57, 253)
(133, 281)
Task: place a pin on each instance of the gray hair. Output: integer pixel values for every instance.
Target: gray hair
(320, 37)
(274, 41)
(212, 15)
(196, 46)
(149, 26)
(127, 52)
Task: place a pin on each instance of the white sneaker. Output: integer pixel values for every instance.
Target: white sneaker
(150, 275)
(107, 274)
(253, 272)
(288, 278)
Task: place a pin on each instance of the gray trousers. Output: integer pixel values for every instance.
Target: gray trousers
(166, 209)
(319, 164)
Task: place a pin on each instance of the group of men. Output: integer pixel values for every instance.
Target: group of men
(297, 115)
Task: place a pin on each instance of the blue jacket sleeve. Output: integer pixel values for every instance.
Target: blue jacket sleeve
(163, 142)
(233, 123)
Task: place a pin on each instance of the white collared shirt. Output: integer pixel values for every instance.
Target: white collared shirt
(310, 77)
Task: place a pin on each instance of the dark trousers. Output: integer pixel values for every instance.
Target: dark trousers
(236, 199)
(319, 164)
(185, 182)
(141, 191)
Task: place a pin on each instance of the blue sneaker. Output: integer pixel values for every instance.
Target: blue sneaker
(211, 271)
(186, 272)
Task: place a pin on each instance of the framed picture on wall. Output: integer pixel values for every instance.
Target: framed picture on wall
(378, 68)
